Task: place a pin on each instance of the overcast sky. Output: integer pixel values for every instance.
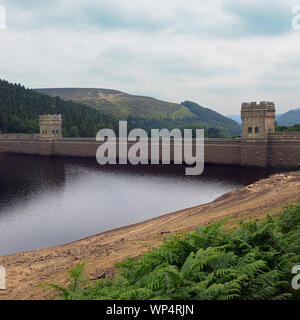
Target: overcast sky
(216, 53)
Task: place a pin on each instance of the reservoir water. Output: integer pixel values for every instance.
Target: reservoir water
(50, 201)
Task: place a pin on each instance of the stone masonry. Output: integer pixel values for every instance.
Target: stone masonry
(50, 126)
(260, 147)
(258, 119)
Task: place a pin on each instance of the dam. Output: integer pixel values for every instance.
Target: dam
(259, 145)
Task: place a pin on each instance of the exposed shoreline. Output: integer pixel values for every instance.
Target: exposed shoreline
(26, 270)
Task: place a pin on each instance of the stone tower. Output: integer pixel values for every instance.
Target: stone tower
(50, 126)
(258, 119)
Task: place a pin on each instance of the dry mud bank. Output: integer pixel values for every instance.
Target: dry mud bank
(26, 270)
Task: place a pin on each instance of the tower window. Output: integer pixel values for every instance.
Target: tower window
(249, 130)
(256, 129)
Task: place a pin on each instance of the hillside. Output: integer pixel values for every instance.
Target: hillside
(289, 118)
(122, 104)
(92, 109)
(20, 109)
(213, 118)
(147, 112)
(236, 118)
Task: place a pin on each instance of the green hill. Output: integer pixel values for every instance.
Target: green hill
(289, 118)
(122, 104)
(20, 109)
(92, 109)
(147, 112)
(213, 118)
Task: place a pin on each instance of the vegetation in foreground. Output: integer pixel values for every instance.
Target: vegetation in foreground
(252, 262)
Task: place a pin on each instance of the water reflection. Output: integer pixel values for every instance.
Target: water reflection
(23, 176)
(47, 201)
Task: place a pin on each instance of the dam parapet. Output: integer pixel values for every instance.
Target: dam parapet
(259, 146)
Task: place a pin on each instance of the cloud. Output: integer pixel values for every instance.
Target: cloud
(217, 53)
(261, 17)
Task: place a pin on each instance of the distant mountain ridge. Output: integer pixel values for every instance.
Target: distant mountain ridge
(147, 111)
(289, 118)
(214, 118)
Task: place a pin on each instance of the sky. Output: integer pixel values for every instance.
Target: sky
(218, 53)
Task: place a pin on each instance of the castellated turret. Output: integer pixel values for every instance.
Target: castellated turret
(50, 126)
(258, 119)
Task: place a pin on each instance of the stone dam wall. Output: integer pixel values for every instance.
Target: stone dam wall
(280, 150)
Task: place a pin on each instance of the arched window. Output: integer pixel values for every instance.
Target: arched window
(256, 130)
(249, 130)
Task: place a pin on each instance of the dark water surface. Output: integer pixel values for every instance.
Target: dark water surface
(49, 201)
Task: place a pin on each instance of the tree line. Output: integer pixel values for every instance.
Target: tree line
(20, 109)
